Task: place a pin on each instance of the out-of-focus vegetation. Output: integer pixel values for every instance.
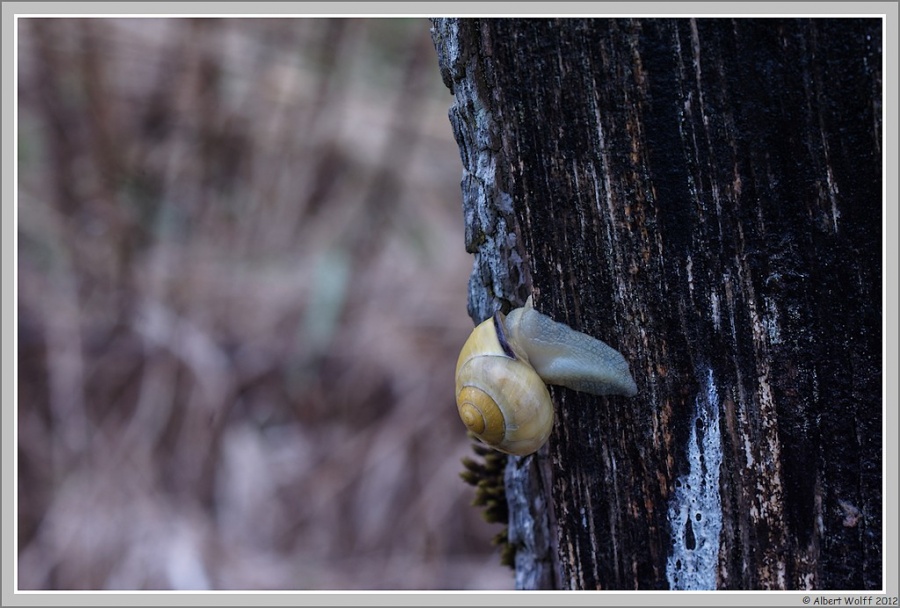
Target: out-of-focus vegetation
(241, 293)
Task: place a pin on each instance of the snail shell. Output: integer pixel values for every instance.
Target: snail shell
(503, 369)
(499, 396)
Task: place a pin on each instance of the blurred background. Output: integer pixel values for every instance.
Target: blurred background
(241, 294)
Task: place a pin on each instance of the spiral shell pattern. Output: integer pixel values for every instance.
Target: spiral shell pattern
(500, 398)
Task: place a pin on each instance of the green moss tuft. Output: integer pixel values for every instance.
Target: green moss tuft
(486, 473)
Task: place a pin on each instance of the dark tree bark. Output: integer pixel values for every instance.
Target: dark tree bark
(704, 196)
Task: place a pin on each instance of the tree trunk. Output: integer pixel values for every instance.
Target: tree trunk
(704, 196)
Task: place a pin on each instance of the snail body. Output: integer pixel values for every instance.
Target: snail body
(505, 365)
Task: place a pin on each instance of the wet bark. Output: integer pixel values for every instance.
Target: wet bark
(704, 196)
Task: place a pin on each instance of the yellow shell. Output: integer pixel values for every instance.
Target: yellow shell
(500, 397)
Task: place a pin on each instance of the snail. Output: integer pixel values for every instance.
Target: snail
(504, 368)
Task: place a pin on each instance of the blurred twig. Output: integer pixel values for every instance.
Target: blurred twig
(241, 293)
